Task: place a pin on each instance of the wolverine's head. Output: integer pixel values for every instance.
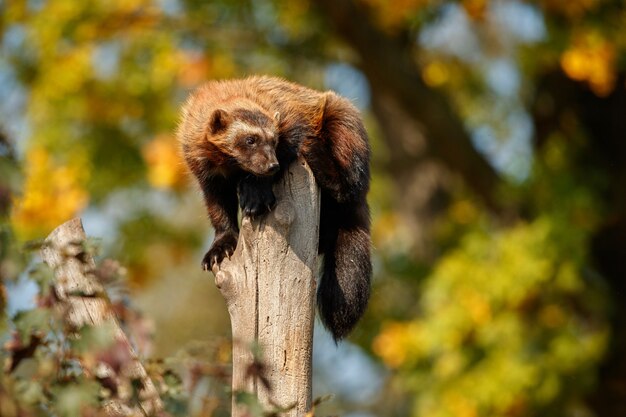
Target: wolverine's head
(247, 134)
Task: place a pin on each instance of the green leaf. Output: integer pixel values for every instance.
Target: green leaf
(30, 322)
(30, 392)
(71, 400)
(92, 246)
(34, 245)
(94, 338)
(250, 401)
(172, 380)
(43, 276)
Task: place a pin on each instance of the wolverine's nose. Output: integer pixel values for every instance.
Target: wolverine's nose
(273, 168)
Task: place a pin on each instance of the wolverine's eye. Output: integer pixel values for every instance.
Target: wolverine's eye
(250, 140)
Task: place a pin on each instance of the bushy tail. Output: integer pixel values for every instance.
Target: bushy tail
(345, 285)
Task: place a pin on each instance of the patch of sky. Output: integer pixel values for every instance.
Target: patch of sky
(133, 127)
(20, 295)
(512, 156)
(348, 82)
(12, 94)
(265, 16)
(105, 59)
(451, 33)
(12, 102)
(521, 20)
(454, 34)
(170, 7)
(35, 5)
(503, 77)
(345, 369)
(13, 38)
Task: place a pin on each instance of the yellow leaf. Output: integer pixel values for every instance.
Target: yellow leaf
(592, 59)
(52, 194)
(165, 167)
(395, 342)
(435, 74)
(392, 14)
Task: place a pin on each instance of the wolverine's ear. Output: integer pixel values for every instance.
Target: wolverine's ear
(277, 117)
(219, 121)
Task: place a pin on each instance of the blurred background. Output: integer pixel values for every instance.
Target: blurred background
(498, 190)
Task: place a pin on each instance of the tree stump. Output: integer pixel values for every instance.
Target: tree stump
(269, 284)
(83, 301)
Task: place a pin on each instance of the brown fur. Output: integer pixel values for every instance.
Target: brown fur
(236, 133)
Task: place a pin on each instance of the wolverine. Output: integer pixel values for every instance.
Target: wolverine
(239, 136)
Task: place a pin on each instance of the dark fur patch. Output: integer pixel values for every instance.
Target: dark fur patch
(253, 117)
(221, 201)
(256, 196)
(219, 121)
(223, 246)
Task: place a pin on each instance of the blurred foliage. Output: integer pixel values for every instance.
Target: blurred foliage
(509, 325)
(51, 368)
(47, 182)
(511, 319)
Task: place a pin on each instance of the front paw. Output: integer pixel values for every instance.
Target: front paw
(256, 199)
(223, 246)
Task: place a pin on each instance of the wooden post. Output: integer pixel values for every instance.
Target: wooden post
(82, 299)
(269, 285)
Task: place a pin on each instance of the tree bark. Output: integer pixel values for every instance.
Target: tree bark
(83, 301)
(269, 285)
(422, 184)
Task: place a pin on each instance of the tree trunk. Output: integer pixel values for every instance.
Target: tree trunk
(83, 302)
(602, 154)
(388, 61)
(269, 286)
(422, 184)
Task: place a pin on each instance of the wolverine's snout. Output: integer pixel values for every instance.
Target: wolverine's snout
(271, 165)
(273, 168)
(263, 164)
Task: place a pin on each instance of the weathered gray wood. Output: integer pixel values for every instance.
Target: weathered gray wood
(83, 302)
(269, 285)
